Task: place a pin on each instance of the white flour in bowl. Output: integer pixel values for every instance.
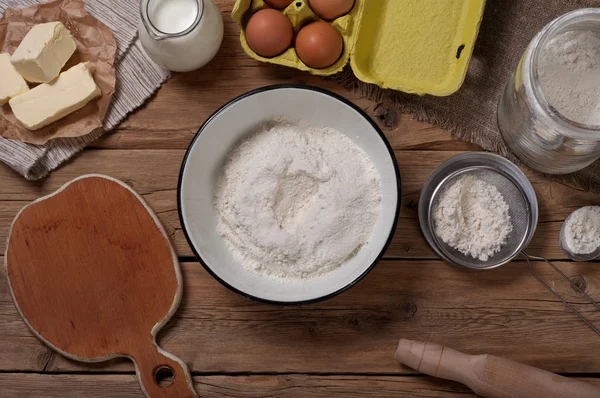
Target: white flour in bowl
(472, 217)
(582, 231)
(295, 201)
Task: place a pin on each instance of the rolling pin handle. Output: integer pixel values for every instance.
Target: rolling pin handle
(490, 376)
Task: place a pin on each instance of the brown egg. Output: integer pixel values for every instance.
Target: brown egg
(269, 32)
(319, 45)
(331, 9)
(280, 4)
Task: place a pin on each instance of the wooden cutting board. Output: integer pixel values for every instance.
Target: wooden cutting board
(93, 275)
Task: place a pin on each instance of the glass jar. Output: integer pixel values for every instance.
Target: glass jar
(180, 35)
(536, 132)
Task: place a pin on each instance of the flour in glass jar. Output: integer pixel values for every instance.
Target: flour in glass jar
(295, 202)
(569, 72)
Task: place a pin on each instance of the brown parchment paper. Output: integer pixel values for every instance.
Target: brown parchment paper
(95, 43)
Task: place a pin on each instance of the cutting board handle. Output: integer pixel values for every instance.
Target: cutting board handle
(150, 362)
(490, 376)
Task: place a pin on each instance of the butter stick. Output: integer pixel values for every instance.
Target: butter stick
(49, 102)
(43, 52)
(11, 82)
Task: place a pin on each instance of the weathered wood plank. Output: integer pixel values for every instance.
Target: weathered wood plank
(17, 385)
(154, 174)
(409, 135)
(404, 133)
(503, 312)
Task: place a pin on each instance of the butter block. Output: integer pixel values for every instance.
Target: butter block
(43, 52)
(49, 102)
(11, 82)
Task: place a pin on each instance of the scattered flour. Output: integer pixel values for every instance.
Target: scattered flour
(569, 73)
(582, 231)
(295, 201)
(472, 217)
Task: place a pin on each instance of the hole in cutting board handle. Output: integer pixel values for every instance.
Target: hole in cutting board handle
(459, 51)
(164, 376)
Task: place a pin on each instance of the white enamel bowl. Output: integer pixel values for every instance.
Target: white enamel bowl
(234, 121)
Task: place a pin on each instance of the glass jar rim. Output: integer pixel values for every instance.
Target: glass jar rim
(560, 24)
(158, 34)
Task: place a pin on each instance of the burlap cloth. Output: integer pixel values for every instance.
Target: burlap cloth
(507, 28)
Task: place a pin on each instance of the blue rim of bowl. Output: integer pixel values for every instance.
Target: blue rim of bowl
(300, 87)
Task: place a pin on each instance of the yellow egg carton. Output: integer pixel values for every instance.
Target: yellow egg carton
(415, 46)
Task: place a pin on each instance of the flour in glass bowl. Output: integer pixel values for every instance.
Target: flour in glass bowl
(582, 230)
(295, 202)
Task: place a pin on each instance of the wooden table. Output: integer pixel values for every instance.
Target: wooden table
(344, 346)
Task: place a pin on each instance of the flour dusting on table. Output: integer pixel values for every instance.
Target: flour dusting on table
(295, 202)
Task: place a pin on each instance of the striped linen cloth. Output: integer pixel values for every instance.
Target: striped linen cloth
(138, 77)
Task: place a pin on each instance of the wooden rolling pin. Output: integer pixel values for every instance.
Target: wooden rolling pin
(488, 375)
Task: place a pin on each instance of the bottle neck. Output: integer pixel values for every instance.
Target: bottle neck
(164, 19)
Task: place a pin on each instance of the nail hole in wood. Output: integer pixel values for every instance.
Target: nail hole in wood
(459, 51)
(164, 376)
(387, 116)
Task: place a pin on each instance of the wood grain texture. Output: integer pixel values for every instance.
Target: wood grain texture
(19, 385)
(503, 312)
(405, 134)
(94, 275)
(154, 174)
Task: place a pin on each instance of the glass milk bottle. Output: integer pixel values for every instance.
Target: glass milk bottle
(531, 126)
(180, 35)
